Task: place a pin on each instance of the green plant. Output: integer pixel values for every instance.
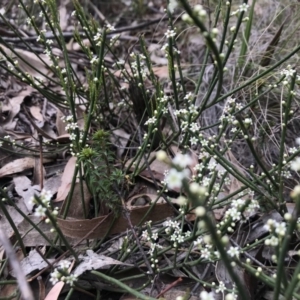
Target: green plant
(226, 125)
(103, 179)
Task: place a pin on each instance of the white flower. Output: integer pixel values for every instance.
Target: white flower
(194, 127)
(72, 137)
(204, 143)
(233, 251)
(298, 140)
(71, 126)
(193, 141)
(174, 178)
(151, 121)
(182, 160)
(205, 253)
(170, 33)
(289, 72)
(234, 214)
(295, 164)
(189, 96)
(239, 106)
(145, 235)
(55, 276)
(280, 228)
(64, 264)
(269, 225)
(199, 241)
(207, 296)
(94, 60)
(71, 279)
(46, 196)
(293, 149)
(110, 28)
(40, 211)
(230, 297)
(221, 287)
(172, 5)
(273, 241)
(244, 7)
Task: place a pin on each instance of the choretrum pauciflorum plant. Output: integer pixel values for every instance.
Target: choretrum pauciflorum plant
(219, 109)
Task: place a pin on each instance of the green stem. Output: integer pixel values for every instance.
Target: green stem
(122, 286)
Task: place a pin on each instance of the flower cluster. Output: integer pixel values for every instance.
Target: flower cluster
(295, 164)
(234, 212)
(242, 8)
(278, 229)
(175, 176)
(44, 197)
(288, 72)
(173, 229)
(71, 125)
(98, 38)
(206, 248)
(139, 66)
(59, 274)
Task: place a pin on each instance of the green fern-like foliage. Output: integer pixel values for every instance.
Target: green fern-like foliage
(102, 178)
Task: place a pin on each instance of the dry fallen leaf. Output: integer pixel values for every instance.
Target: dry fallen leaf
(32, 262)
(76, 207)
(66, 180)
(94, 261)
(120, 139)
(24, 189)
(60, 125)
(36, 113)
(98, 227)
(19, 165)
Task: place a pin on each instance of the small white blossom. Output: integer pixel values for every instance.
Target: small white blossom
(205, 253)
(145, 235)
(244, 7)
(94, 60)
(55, 276)
(295, 164)
(199, 241)
(194, 127)
(182, 160)
(293, 150)
(233, 252)
(64, 264)
(110, 28)
(174, 178)
(288, 72)
(71, 279)
(151, 121)
(280, 228)
(273, 241)
(234, 214)
(40, 211)
(221, 287)
(193, 141)
(46, 196)
(172, 5)
(170, 33)
(207, 296)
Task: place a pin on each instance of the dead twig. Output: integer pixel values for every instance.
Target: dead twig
(169, 287)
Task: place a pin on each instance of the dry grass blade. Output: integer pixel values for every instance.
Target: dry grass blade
(267, 56)
(10, 252)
